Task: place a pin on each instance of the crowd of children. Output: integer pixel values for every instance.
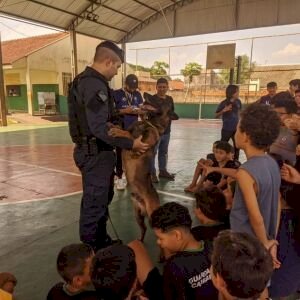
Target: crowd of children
(247, 245)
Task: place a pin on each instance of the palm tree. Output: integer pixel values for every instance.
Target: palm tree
(190, 70)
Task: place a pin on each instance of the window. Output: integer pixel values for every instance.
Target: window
(13, 90)
(66, 80)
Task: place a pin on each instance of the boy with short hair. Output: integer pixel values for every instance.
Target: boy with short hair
(114, 272)
(162, 87)
(256, 203)
(267, 99)
(186, 273)
(211, 211)
(73, 265)
(287, 140)
(241, 266)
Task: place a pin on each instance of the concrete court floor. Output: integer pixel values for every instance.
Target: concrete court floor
(40, 214)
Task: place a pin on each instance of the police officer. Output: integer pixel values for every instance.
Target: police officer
(91, 109)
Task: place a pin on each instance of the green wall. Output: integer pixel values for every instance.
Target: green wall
(63, 104)
(43, 88)
(19, 103)
(191, 110)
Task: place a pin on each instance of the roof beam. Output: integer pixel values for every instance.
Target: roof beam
(152, 18)
(85, 17)
(146, 5)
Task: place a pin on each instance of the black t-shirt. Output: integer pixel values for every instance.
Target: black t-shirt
(187, 276)
(58, 293)
(208, 232)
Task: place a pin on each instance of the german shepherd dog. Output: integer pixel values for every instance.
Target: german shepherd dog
(156, 118)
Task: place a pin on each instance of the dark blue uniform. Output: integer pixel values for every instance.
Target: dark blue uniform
(94, 153)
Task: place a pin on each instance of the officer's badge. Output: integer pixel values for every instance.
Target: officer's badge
(102, 96)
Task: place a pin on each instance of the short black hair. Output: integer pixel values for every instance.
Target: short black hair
(289, 105)
(71, 260)
(216, 142)
(286, 96)
(295, 82)
(222, 145)
(271, 84)
(111, 46)
(261, 123)
(231, 90)
(162, 80)
(212, 203)
(243, 263)
(170, 216)
(114, 272)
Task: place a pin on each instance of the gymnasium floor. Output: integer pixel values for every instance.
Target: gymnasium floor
(40, 192)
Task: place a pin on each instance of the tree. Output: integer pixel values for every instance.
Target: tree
(245, 71)
(139, 67)
(191, 69)
(159, 69)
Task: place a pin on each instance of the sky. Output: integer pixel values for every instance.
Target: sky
(279, 45)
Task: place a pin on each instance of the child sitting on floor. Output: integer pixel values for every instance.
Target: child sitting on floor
(73, 265)
(211, 211)
(241, 266)
(186, 273)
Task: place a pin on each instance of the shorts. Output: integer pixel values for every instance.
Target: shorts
(286, 280)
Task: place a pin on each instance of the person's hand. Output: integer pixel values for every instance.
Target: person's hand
(271, 246)
(206, 169)
(127, 110)
(290, 174)
(293, 123)
(227, 108)
(139, 146)
(118, 132)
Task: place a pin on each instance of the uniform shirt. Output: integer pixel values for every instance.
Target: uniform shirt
(266, 174)
(267, 99)
(59, 292)
(230, 118)
(93, 88)
(187, 276)
(125, 99)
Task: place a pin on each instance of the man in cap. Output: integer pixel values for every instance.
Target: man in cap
(91, 109)
(128, 101)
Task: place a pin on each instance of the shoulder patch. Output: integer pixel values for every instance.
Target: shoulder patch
(102, 96)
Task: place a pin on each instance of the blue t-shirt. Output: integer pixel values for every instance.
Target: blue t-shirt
(124, 99)
(266, 174)
(230, 118)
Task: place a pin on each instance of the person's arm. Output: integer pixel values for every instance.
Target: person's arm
(222, 108)
(225, 171)
(290, 174)
(97, 110)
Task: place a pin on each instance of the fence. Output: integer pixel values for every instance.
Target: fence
(264, 59)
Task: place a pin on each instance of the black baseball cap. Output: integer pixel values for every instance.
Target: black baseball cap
(114, 47)
(132, 81)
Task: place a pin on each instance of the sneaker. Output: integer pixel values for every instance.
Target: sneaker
(166, 174)
(154, 178)
(120, 184)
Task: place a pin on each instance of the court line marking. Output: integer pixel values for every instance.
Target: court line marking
(79, 192)
(40, 167)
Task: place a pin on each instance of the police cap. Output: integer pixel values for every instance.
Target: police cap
(112, 46)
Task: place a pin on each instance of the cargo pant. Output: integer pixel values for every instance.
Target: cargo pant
(97, 170)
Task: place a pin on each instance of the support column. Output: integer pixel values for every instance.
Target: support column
(2, 94)
(74, 64)
(124, 66)
(29, 89)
